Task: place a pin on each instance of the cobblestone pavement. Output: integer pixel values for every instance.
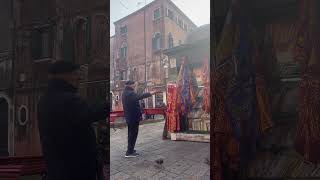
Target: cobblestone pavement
(181, 159)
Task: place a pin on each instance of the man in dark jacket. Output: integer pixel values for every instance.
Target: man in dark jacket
(67, 138)
(132, 113)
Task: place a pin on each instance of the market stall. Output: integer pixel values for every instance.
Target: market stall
(267, 80)
(188, 88)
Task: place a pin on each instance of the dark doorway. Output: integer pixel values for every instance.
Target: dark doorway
(4, 107)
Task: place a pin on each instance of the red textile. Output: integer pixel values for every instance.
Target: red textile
(223, 138)
(173, 123)
(206, 89)
(307, 142)
(308, 137)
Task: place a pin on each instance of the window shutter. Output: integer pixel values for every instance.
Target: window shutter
(36, 44)
(68, 45)
(88, 39)
(153, 43)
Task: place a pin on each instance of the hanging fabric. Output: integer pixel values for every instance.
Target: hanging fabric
(221, 80)
(264, 111)
(307, 141)
(206, 84)
(173, 124)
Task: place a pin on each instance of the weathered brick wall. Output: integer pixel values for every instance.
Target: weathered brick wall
(135, 40)
(31, 76)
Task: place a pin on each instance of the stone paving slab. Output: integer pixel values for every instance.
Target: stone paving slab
(182, 159)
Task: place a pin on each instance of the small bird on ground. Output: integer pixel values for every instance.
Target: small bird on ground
(159, 161)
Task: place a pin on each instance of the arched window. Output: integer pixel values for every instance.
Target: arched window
(123, 50)
(170, 41)
(156, 41)
(23, 115)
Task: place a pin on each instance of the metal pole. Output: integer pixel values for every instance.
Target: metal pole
(145, 44)
(13, 68)
(145, 48)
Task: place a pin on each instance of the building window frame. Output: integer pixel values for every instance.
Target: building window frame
(23, 123)
(170, 41)
(170, 16)
(180, 23)
(123, 75)
(156, 41)
(123, 30)
(185, 26)
(158, 15)
(124, 50)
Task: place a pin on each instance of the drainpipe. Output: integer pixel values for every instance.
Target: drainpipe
(145, 49)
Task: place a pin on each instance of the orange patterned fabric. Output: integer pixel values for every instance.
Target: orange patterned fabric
(263, 105)
(206, 83)
(307, 142)
(308, 136)
(223, 140)
(264, 110)
(173, 123)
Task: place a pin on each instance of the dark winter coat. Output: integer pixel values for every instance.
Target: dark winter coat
(131, 105)
(67, 138)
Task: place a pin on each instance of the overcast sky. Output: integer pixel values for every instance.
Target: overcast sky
(197, 10)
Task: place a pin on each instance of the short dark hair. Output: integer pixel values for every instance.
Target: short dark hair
(62, 66)
(129, 82)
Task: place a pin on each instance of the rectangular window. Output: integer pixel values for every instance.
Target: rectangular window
(123, 30)
(170, 14)
(180, 23)
(156, 42)
(36, 44)
(156, 14)
(185, 27)
(45, 45)
(123, 75)
(123, 52)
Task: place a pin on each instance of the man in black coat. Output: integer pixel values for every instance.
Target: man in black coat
(132, 113)
(67, 138)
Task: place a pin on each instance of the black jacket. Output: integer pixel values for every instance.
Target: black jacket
(131, 105)
(67, 138)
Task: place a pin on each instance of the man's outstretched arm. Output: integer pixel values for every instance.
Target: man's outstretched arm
(138, 97)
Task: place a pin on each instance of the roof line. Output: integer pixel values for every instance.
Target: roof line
(135, 12)
(146, 6)
(175, 6)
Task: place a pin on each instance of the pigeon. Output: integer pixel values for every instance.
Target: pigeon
(159, 161)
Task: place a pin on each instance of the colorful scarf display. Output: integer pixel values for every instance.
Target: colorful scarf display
(173, 123)
(181, 98)
(221, 79)
(241, 100)
(184, 102)
(306, 52)
(206, 84)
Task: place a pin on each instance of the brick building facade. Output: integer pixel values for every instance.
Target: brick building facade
(139, 40)
(5, 78)
(56, 30)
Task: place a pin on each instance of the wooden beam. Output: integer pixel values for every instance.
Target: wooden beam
(190, 137)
